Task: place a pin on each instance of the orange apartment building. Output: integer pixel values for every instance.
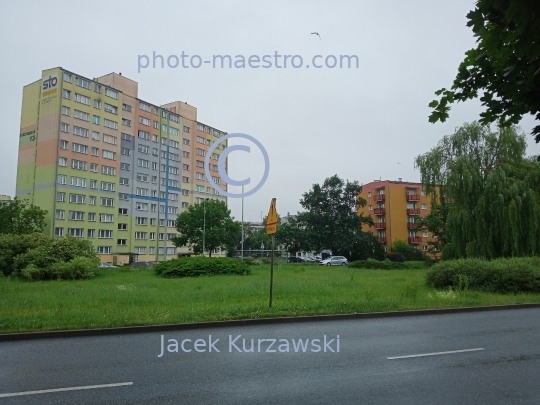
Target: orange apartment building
(395, 206)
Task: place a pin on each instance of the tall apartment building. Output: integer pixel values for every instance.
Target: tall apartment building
(395, 206)
(110, 167)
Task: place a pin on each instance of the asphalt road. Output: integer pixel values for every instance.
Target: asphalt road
(506, 371)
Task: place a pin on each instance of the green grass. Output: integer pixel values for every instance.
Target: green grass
(126, 297)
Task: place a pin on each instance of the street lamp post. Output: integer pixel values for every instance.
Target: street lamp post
(204, 226)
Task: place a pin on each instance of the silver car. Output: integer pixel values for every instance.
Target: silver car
(334, 261)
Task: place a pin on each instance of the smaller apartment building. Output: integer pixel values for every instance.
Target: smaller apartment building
(395, 206)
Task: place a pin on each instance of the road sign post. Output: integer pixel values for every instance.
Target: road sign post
(271, 229)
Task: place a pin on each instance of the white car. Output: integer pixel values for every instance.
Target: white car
(334, 261)
(106, 265)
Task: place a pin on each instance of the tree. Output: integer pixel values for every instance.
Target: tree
(220, 231)
(292, 237)
(331, 220)
(409, 252)
(504, 66)
(435, 222)
(494, 189)
(20, 218)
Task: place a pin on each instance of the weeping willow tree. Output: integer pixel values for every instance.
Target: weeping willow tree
(494, 189)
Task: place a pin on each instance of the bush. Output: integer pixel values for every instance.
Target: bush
(34, 256)
(497, 276)
(409, 252)
(201, 266)
(77, 269)
(377, 264)
(395, 256)
(13, 245)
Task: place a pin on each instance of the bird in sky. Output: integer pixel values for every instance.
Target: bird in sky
(316, 33)
(398, 163)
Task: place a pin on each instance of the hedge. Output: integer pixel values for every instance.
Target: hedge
(497, 276)
(201, 266)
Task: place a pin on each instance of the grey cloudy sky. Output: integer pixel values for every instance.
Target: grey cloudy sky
(357, 123)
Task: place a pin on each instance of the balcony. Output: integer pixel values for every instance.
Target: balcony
(379, 211)
(411, 225)
(382, 239)
(413, 197)
(413, 211)
(415, 239)
(380, 225)
(378, 197)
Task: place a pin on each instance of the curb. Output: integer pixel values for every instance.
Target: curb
(250, 322)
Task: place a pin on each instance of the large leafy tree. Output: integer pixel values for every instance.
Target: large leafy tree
(504, 68)
(494, 191)
(221, 229)
(331, 220)
(21, 218)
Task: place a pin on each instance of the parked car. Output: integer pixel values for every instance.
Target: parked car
(295, 259)
(104, 265)
(334, 261)
(310, 259)
(140, 264)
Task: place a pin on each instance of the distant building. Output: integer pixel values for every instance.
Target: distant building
(395, 206)
(5, 197)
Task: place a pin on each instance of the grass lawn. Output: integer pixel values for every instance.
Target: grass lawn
(126, 297)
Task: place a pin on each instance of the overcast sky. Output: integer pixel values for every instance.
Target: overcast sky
(357, 123)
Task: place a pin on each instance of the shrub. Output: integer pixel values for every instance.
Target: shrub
(395, 256)
(409, 252)
(13, 245)
(201, 266)
(377, 264)
(497, 276)
(77, 269)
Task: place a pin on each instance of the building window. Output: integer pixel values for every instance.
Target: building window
(78, 181)
(92, 200)
(425, 234)
(124, 166)
(79, 81)
(144, 121)
(76, 215)
(82, 99)
(200, 127)
(91, 233)
(76, 232)
(66, 94)
(107, 202)
(124, 181)
(143, 163)
(106, 218)
(109, 139)
(95, 151)
(185, 179)
(67, 77)
(64, 127)
(144, 135)
(106, 186)
(126, 107)
(96, 120)
(424, 206)
(61, 179)
(77, 198)
(110, 108)
(66, 111)
(126, 137)
(94, 167)
(92, 216)
(144, 106)
(123, 196)
(122, 211)
(141, 235)
(95, 136)
(78, 164)
(122, 227)
(80, 131)
(186, 129)
(121, 242)
(97, 104)
(126, 122)
(60, 197)
(97, 88)
(81, 115)
(107, 154)
(104, 250)
(58, 231)
(59, 214)
(185, 205)
(111, 93)
(154, 138)
(110, 124)
(79, 148)
(143, 149)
